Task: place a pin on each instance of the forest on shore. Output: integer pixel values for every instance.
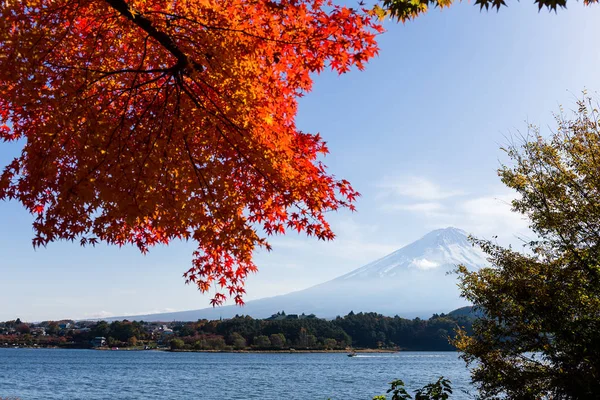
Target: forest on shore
(277, 333)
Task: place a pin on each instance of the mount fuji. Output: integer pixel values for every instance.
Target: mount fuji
(410, 282)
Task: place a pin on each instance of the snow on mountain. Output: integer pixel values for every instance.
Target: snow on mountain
(441, 249)
(413, 281)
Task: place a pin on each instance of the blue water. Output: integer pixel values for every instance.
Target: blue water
(89, 374)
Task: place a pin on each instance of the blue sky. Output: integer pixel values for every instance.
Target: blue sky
(417, 133)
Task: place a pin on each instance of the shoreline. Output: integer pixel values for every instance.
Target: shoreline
(292, 351)
(287, 351)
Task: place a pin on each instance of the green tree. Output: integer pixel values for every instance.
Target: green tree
(185, 330)
(404, 10)
(215, 343)
(311, 341)
(101, 329)
(303, 338)
(124, 330)
(200, 344)
(277, 340)
(176, 344)
(539, 334)
(262, 342)
(439, 390)
(237, 341)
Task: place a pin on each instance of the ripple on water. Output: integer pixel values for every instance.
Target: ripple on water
(86, 374)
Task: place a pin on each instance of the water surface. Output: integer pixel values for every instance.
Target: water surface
(88, 374)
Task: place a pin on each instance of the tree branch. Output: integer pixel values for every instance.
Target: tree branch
(164, 39)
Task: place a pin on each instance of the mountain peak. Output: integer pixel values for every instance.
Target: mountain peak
(409, 282)
(446, 236)
(448, 231)
(439, 250)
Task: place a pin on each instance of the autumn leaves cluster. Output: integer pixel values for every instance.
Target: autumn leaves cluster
(144, 122)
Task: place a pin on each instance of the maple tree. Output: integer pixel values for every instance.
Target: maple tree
(147, 121)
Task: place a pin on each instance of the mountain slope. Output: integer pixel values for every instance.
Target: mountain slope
(409, 282)
(440, 250)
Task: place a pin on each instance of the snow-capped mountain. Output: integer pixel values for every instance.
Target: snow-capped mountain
(440, 250)
(413, 281)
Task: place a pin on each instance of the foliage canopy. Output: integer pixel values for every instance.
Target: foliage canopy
(539, 336)
(146, 121)
(438, 390)
(404, 10)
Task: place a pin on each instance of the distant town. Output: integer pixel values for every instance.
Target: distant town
(280, 332)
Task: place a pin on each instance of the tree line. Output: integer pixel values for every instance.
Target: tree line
(280, 332)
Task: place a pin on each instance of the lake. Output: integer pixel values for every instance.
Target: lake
(90, 374)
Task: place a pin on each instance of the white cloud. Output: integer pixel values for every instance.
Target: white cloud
(357, 242)
(485, 215)
(99, 314)
(155, 311)
(107, 314)
(492, 215)
(414, 187)
(425, 264)
(427, 207)
(354, 241)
